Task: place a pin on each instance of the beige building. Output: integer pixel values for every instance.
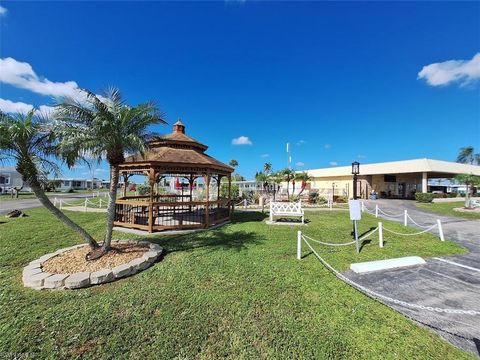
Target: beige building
(396, 179)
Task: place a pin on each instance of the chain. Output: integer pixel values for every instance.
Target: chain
(325, 243)
(417, 233)
(421, 226)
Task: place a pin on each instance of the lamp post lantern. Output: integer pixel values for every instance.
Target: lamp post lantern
(355, 172)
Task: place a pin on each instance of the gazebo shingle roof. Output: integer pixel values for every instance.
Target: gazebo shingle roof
(177, 148)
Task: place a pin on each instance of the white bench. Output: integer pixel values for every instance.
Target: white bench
(474, 203)
(286, 209)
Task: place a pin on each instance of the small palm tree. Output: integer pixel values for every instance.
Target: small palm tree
(233, 163)
(105, 128)
(267, 167)
(263, 178)
(467, 156)
(288, 175)
(304, 178)
(469, 180)
(276, 178)
(28, 140)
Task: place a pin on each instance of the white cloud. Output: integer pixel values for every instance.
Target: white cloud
(444, 73)
(241, 140)
(361, 156)
(333, 163)
(300, 164)
(9, 106)
(264, 156)
(22, 75)
(327, 146)
(3, 11)
(301, 142)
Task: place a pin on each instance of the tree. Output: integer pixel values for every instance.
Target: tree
(28, 140)
(267, 167)
(105, 128)
(469, 180)
(263, 178)
(467, 156)
(276, 178)
(233, 163)
(304, 178)
(288, 175)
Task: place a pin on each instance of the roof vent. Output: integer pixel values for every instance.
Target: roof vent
(178, 127)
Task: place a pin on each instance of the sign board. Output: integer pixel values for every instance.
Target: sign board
(355, 209)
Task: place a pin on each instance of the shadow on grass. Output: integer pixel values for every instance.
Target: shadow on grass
(213, 239)
(248, 216)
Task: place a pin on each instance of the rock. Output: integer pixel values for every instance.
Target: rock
(46, 257)
(151, 256)
(144, 243)
(36, 281)
(30, 272)
(35, 262)
(55, 281)
(122, 271)
(101, 276)
(139, 264)
(78, 280)
(32, 266)
(156, 247)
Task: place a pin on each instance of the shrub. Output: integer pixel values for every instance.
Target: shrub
(452, 195)
(235, 191)
(424, 197)
(312, 197)
(341, 199)
(143, 189)
(321, 200)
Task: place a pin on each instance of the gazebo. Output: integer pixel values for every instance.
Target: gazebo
(175, 155)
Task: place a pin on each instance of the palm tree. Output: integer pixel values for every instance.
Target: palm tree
(105, 128)
(263, 178)
(288, 175)
(469, 180)
(29, 140)
(467, 156)
(304, 178)
(276, 178)
(233, 163)
(267, 167)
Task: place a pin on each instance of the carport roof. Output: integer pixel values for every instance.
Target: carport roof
(437, 167)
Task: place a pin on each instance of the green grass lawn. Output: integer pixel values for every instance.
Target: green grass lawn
(447, 209)
(236, 292)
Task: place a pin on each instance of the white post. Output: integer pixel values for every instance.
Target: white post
(245, 203)
(440, 230)
(55, 202)
(363, 207)
(85, 207)
(299, 245)
(100, 203)
(376, 210)
(61, 204)
(331, 204)
(405, 218)
(380, 235)
(271, 213)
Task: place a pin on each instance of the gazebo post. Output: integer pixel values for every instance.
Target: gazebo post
(207, 191)
(219, 178)
(151, 179)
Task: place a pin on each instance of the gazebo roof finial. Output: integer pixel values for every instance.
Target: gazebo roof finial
(179, 127)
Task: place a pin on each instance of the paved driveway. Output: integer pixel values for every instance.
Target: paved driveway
(23, 204)
(447, 282)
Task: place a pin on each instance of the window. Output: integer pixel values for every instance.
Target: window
(4, 179)
(390, 178)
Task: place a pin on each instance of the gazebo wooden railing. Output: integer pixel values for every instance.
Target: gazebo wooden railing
(158, 216)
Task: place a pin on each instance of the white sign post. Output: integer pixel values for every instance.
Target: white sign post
(355, 209)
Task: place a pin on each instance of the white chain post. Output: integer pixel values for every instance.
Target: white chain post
(85, 207)
(55, 202)
(376, 210)
(363, 207)
(405, 218)
(380, 235)
(100, 204)
(299, 245)
(245, 203)
(331, 204)
(440, 230)
(61, 204)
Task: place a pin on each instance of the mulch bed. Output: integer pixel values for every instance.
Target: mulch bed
(74, 261)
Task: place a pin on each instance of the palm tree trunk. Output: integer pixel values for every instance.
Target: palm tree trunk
(45, 201)
(293, 188)
(467, 195)
(114, 174)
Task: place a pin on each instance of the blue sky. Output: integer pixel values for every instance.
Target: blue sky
(339, 81)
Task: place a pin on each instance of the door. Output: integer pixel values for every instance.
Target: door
(401, 190)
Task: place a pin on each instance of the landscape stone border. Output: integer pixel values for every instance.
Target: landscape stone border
(34, 277)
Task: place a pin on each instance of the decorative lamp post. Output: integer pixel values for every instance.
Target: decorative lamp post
(355, 172)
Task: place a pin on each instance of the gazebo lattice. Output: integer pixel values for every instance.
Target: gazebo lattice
(174, 155)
